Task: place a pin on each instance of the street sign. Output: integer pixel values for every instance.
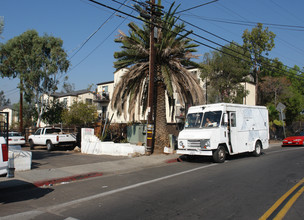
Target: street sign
(280, 107)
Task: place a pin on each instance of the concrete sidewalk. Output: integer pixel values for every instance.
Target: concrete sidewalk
(49, 177)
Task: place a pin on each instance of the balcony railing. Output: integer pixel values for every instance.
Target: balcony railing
(103, 97)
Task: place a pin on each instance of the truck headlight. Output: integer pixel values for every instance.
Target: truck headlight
(205, 143)
(181, 144)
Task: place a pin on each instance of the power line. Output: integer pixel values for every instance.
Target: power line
(98, 45)
(199, 35)
(193, 39)
(284, 9)
(196, 6)
(214, 36)
(253, 23)
(110, 17)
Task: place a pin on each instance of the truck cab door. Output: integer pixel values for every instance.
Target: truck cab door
(233, 133)
(37, 137)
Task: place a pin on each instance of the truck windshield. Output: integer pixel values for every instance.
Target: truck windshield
(194, 120)
(203, 120)
(212, 119)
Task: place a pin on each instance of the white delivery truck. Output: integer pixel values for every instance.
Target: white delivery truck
(220, 129)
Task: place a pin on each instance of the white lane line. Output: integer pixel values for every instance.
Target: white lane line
(24, 215)
(67, 204)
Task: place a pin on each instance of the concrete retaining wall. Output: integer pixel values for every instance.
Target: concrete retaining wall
(20, 160)
(90, 144)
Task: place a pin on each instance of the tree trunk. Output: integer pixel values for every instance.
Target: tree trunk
(161, 133)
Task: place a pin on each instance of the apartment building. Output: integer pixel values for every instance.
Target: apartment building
(68, 99)
(105, 92)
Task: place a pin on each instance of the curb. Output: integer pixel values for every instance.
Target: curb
(52, 182)
(22, 185)
(174, 160)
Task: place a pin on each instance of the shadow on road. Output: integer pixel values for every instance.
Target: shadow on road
(205, 159)
(196, 159)
(21, 191)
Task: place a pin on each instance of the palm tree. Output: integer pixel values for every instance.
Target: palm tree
(174, 52)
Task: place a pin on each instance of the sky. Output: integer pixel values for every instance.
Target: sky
(88, 30)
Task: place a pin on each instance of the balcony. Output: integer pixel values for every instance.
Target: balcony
(103, 97)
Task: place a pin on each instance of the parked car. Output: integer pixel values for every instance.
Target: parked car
(15, 138)
(51, 137)
(297, 140)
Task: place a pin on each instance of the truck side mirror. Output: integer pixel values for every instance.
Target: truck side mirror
(225, 118)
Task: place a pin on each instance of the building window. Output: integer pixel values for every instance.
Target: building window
(65, 101)
(105, 89)
(89, 101)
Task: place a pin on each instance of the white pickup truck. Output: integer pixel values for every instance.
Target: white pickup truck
(50, 137)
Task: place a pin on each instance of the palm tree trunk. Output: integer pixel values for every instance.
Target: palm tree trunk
(161, 131)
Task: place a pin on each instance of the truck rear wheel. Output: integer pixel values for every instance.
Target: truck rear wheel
(219, 155)
(258, 149)
(49, 145)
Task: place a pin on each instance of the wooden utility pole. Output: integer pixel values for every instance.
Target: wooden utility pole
(150, 125)
(151, 114)
(21, 111)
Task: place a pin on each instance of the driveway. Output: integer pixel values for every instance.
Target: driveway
(64, 157)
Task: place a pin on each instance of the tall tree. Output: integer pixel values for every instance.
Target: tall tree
(37, 62)
(259, 42)
(3, 100)
(67, 87)
(80, 114)
(272, 89)
(224, 70)
(29, 113)
(53, 113)
(173, 53)
(1, 26)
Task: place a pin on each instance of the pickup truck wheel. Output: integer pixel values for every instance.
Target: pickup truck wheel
(258, 149)
(49, 145)
(219, 155)
(31, 144)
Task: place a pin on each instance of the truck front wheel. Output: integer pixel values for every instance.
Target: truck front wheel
(49, 145)
(31, 144)
(219, 155)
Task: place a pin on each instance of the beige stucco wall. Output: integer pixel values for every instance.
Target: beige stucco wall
(250, 98)
(12, 116)
(85, 96)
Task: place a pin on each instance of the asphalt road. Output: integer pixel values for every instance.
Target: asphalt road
(244, 187)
